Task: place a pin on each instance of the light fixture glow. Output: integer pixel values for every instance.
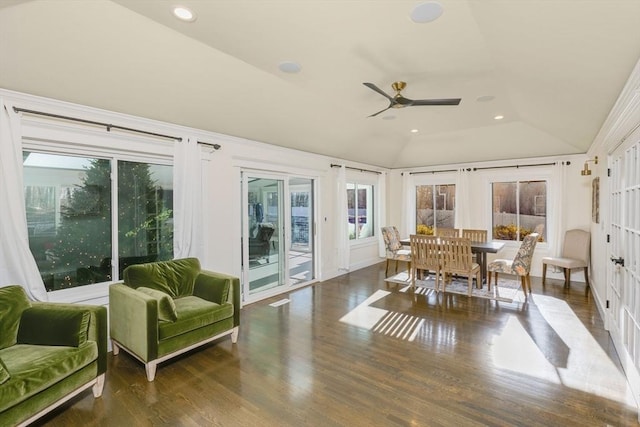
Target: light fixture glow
(498, 117)
(184, 14)
(426, 12)
(414, 130)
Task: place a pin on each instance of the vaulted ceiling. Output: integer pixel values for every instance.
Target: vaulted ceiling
(552, 69)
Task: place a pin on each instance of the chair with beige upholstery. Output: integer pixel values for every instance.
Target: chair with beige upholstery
(425, 255)
(457, 259)
(519, 266)
(394, 250)
(447, 232)
(575, 254)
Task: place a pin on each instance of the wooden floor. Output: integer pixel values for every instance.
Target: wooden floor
(354, 352)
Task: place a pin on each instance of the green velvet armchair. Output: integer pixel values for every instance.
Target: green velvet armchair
(49, 353)
(166, 308)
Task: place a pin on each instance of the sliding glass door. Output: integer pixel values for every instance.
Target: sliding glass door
(278, 231)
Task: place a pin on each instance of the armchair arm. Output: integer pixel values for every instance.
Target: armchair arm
(219, 288)
(54, 314)
(133, 319)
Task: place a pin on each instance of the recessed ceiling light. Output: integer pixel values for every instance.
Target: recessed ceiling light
(486, 98)
(414, 130)
(426, 12)
(498, 117)
(184, 14)
(289, 67)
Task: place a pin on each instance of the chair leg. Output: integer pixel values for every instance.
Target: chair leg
(98, 386)
(586, 276)
(523, 283)
(396, 266)
(386, 270)
(544, 272)
(567, 276)
(150, 368)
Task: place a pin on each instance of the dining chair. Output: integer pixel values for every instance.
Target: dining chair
(426, 255)
(447, 232)
(475, 236)
(457, 259)
(575, 254)
(394, 249)
(519, 266)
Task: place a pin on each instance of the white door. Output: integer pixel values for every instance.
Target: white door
(623, 272)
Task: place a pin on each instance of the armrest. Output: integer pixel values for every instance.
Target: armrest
(60, 317)
(133, 319)
(219, 288)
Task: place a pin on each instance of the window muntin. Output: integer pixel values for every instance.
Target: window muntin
(519, 208)
(69, 216)
(435, 207)
(360, 210)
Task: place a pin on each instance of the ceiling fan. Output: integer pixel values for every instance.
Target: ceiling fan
(399, 101)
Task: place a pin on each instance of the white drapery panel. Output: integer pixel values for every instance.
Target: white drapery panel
(342, 219)
(407, 224)
(187, 200)
(463, 208)
(557, 229)
(382, 212)
(17, 265)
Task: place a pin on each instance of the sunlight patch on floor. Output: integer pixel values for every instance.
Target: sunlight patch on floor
(561, 351)
(363, 315)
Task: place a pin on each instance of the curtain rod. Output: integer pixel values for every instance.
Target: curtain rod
(355, 169)
(491, 167)
(108, 126)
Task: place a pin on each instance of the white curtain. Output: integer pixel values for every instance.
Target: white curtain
(187, 200)
(382, 212)
(17, 265)
(463, 200)
(407, 224)
(557, 229)
(342, 219)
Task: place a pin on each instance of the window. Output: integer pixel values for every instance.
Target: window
(519, 208)
(72, 229)
(435, 207)
(360, 207)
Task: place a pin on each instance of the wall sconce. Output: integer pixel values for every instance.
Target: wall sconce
(585, 170)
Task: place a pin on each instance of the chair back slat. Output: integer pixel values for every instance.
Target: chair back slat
(456, 254)
(474, 235)
(447, 232)
(425, 252)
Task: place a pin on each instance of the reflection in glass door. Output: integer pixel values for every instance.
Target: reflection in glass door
(300, 254)
(264, 215)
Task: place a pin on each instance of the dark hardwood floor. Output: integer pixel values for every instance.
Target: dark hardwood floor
(395, 359)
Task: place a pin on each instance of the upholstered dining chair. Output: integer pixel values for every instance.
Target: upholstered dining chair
(447, 232)
(519, 266)
(425, 255)
(394, 250)
(575, 254)
(457, 259)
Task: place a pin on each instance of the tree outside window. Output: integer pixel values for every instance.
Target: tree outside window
(518, 209)
(70, 221)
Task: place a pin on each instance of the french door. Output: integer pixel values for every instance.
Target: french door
(623, 272)
(278, 233)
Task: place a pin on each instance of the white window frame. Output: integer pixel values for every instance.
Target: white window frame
(363, 178)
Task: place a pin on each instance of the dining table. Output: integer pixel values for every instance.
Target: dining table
(479, 248)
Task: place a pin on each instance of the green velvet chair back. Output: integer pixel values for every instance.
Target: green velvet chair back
(175, 278)
(13, 301)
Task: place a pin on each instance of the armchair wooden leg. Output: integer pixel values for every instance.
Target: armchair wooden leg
(115, 348)
(150, 368)
(586, 276)
(544, 273)
(234, 334)
(98, 386)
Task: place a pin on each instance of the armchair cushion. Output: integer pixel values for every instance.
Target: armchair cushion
(4, 373)
(13, 301)
(166, 306)
(194, 313)
(46, 326)
(175, 278)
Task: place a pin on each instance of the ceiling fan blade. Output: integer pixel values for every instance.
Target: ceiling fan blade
(450, 101)
(377, 89)
(381, 111)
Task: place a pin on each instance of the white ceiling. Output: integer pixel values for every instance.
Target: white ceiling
(555, 69)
